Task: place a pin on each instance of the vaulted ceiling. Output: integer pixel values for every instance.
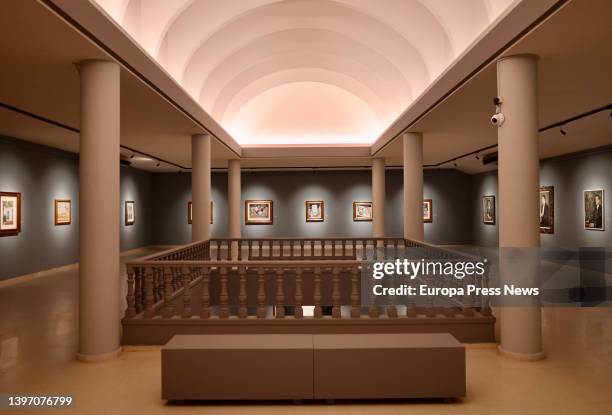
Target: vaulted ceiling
(305, 71)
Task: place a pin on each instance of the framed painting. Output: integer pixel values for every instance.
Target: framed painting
(190, 212)
(130, 214)
(594, 210)
(10, 211)
(258, 212)
(362, 211)
(315, 211)
(547, 209)
(63, 212)
(427, 210)
(488, 210)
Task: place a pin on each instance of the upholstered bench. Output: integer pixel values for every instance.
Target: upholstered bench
(296, 366)
(236, 366)
(377, 366)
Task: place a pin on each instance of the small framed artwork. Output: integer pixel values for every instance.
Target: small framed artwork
(362, 211)
(10, 206)
(315, 211)
(427, 210)
(258, 212)
(547, 209)
(594, 210)
(488, 210)
(190, 212)
(130, 214)
(63, 212)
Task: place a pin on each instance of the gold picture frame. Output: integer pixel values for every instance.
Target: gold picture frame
(594, 210)
(258, 212)
(363, 211)
(62, 212)
(130, 213)
(547, 209)
(488, 210)
(315, 210)
(10, 213)
(427, 210)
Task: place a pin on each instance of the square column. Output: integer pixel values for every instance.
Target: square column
(378, 197)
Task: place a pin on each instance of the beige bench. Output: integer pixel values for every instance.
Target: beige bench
(335, 366)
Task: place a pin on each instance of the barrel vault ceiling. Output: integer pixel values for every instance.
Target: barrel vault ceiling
(283, 72)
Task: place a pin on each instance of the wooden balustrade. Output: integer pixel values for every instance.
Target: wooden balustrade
(268, 249)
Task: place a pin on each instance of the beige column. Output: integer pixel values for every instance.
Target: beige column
(413, 186)
(234, 208)
(200, 186)
(99, 217)
(378, 197)
(518, 176)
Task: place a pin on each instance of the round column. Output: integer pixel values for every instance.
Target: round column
(378, 197)
(200, 186)
(99, 207)
(233, 196)
(518, 176)
(413, 187)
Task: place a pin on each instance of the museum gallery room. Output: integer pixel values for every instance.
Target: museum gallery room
(201, 199)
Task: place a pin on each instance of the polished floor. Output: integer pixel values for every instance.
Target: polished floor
(38, 342)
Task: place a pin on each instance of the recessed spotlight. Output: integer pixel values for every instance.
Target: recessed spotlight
(158, 164)
(132, 156)
(455, 164)
(562, 130)
(477, 157)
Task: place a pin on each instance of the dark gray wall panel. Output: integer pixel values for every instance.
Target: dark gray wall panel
(570, 176)
(42, 174)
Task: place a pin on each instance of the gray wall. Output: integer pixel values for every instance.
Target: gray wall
(570, 175)
(42, 174)
(289, 191)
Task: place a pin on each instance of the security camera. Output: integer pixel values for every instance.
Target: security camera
(497, 119)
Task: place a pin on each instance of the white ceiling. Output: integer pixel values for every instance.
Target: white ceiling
(304, 71)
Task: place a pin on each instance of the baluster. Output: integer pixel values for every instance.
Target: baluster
(224, 311)
(250, 255)
(186, 293)
(280, 294)
(168, 290)
(218, 250)
(242, 295)
(299, 298)
(355, 305)
(354, 248)
(312, 244)
(364, 252)
(323, 248)
(131, 298)
(149, 299)
(205, 310)
(374, 310)
(318, 311)
(260, 244)
(261, 293)
(291, 247)
(333, 242)
(301, 249)
(229, 249)
(138, 288)
(281, 244)
(336, 311)
(239, 246)
(344, 248)
(157, 285)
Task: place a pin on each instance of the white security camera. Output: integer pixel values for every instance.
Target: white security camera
(497, 119)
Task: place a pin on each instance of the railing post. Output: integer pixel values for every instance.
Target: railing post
(224, 311)
(299, 298)
(364, 252)
(355, 304)
(336, 311)
(186, 293)
(260, 249)
(131, 298)
(344, 248)
(261, 293)
(242, 296)
(301, 249)
(250, 254)
(205, 311)
(149, 312)
(333, 242)
(239, 247)
(168, 290)
(139, 289)
(218, 250)
(280, 294)
(318, 310)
